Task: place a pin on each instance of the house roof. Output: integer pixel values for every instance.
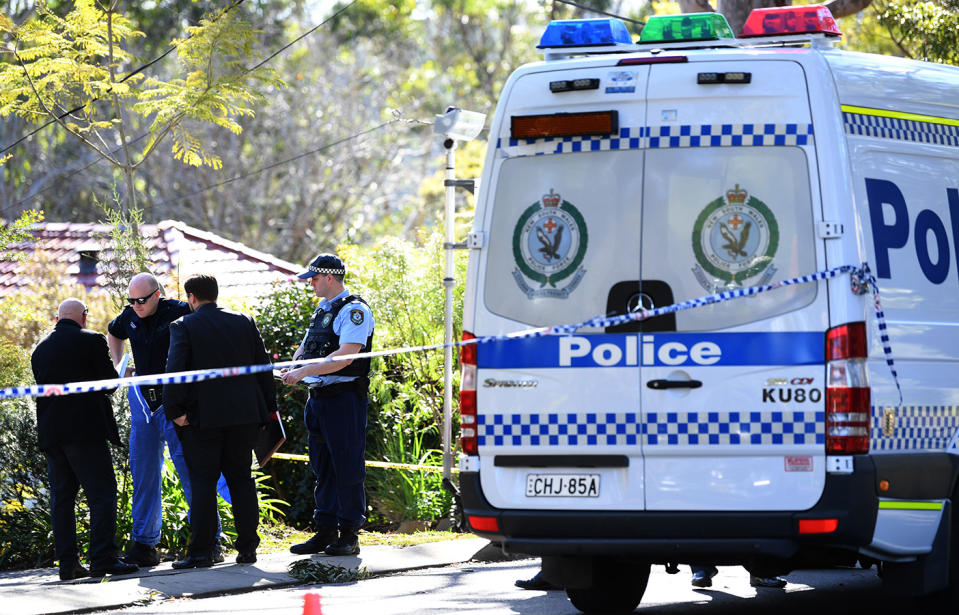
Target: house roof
(175, 249)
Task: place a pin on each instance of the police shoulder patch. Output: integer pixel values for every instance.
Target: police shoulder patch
(356, 317)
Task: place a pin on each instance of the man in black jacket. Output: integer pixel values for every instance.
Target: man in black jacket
(218, 420)
(72, 431)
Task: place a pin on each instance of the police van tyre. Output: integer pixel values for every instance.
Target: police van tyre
(617, 588)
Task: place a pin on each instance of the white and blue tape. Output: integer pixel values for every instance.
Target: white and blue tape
(862, 280)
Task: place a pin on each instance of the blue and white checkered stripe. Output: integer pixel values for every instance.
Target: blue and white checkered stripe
(862, 280)
(729, 135)
(766, 428)
(662, 137)
(916, 428)
(865, 125)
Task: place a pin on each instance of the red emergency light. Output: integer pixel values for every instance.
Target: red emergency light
(810, 19)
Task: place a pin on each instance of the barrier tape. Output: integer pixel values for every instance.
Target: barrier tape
(369, 463)
(862, 281)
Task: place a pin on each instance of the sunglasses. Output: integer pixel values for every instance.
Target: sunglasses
(141, 300)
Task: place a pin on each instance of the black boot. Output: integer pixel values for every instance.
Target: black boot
(318, 543)
(71, 569)
(347, 544)
(144, 556)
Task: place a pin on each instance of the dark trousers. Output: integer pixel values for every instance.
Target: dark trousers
(209, 452)
(88, 465)
(337, 427)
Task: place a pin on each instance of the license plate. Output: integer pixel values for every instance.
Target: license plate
(562, 485)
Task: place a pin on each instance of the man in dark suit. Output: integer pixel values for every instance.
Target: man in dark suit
(72, 431)
(218, 420)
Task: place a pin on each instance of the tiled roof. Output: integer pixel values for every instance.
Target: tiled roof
(175, 249)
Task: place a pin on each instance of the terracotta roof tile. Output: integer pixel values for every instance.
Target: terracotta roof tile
(174, 248)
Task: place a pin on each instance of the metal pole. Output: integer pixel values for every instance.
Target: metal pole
(448, 282)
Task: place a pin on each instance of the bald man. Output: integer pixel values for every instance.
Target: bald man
(146, 323)
(73, 431)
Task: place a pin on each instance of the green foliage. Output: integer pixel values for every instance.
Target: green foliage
(922, 30)
(55, 64)
(402, 494)
(314, 573)
(19, 231)
(26, 536)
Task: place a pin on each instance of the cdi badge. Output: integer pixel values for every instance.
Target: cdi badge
(549, 243)
(734, 238)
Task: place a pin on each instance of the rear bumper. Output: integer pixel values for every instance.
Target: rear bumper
(682, 536)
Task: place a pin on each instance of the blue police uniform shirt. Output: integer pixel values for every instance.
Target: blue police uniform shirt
(149, 337)
(347, 329)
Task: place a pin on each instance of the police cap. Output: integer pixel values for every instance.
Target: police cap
(324, 263)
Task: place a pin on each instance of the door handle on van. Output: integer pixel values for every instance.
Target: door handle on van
(674, 384)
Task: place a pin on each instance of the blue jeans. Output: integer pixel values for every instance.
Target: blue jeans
(149, 432)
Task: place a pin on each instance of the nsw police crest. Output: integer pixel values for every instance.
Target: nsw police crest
(549, 243)
(735, 238)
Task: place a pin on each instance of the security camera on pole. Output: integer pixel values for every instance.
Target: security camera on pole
(455, 125)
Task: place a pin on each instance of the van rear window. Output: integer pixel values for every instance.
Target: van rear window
(573, 236)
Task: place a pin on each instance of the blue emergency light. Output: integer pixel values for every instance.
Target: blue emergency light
(585, 33)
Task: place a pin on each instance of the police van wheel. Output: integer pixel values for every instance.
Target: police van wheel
(617, 589)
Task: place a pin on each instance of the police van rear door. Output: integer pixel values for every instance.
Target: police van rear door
(732, 398)
(558, 416)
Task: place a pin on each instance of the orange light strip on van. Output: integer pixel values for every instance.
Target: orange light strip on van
(588, 124)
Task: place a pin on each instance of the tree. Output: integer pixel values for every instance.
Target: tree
(736, 11)
(922, 30)
(67, 69)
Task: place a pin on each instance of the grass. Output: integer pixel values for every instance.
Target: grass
(279, 538)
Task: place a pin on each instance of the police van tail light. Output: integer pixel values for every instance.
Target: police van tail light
(848, 396)
(468, 442)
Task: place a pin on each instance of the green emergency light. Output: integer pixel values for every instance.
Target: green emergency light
(686, 27)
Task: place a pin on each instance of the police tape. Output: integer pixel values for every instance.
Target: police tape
(370, 463)
(862, 281)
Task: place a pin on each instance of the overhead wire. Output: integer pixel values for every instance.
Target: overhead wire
(601, 12)
(293, 158)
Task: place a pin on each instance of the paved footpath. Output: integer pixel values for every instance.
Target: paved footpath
(40, 591)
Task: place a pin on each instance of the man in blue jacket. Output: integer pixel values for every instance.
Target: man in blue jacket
(145, 322)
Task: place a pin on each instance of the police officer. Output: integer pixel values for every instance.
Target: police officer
(335, 413)
(146, 323)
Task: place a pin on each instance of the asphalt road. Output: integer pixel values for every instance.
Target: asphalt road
(480, 588)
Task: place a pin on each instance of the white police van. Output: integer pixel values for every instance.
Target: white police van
(765, 430)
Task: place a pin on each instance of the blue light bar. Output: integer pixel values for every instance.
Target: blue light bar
(585, 33)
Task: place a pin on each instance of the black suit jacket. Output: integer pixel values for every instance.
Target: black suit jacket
(73, 354)
(213, 337)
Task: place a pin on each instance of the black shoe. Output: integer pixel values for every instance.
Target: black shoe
(537, 583)
(703, 576)
(117, 566)
(142, 555)
(193, 561)
(768, 582)
(347, 544)
(217, 555)
(72, 570)
(318, 543)
(246, 557)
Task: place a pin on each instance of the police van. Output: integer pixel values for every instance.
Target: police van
(810, 425)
